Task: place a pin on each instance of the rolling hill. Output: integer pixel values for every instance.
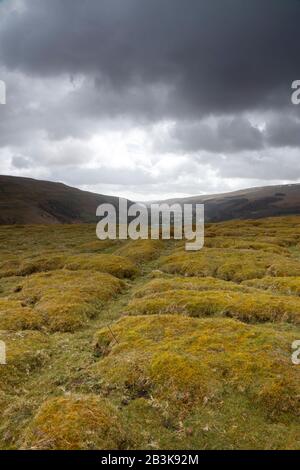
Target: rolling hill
(252, 203)
(30, 201)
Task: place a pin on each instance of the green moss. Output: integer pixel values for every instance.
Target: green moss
(74, 423)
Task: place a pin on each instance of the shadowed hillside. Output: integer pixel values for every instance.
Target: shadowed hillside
(250, 203)
(29, 201)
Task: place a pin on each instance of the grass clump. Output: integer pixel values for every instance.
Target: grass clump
(75, 422)
(141, 251)
(65, 300)
(99, 246)
(283, 285)
(26, 352)
(186, 377)
(248, 307)
(16, 316)
(36, 264)
(231, 265)
(182, 362)
(9, 285)
(188, 283)
(246, 244)
(116, 265)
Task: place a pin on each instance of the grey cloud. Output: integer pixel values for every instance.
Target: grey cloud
(215, 56)
(18, 161)
(232, 134)
(224, 135)
(267, 165)
(76, 68)
(103, 175)
(283, 131)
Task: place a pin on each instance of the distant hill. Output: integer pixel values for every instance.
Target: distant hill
(30, 201)
(252, 203)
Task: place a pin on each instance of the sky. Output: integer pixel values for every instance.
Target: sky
(151, 99)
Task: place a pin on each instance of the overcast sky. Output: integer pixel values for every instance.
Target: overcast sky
(151, 99)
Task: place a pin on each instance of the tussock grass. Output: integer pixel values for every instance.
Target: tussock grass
(36, 264)
(116, 265)
(9, 285)
(141, 251)
(183, 362)
(283, 285)
(231, 265)
(248, 307)
(247, 244)
(176, 372)
(26, 352)
(99, 246)
(74, 423)
(16, 316)
(160, 284)
(65, 300)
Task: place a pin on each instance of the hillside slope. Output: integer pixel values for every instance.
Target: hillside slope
(249, 203)
(29, 201)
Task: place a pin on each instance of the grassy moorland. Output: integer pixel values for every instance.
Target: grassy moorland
(144, 345)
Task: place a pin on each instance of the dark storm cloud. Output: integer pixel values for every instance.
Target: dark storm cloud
(232, 135)
(213, 56)
(283, 131)
(173, 95)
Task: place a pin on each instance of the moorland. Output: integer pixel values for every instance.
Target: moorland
(142, 345)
